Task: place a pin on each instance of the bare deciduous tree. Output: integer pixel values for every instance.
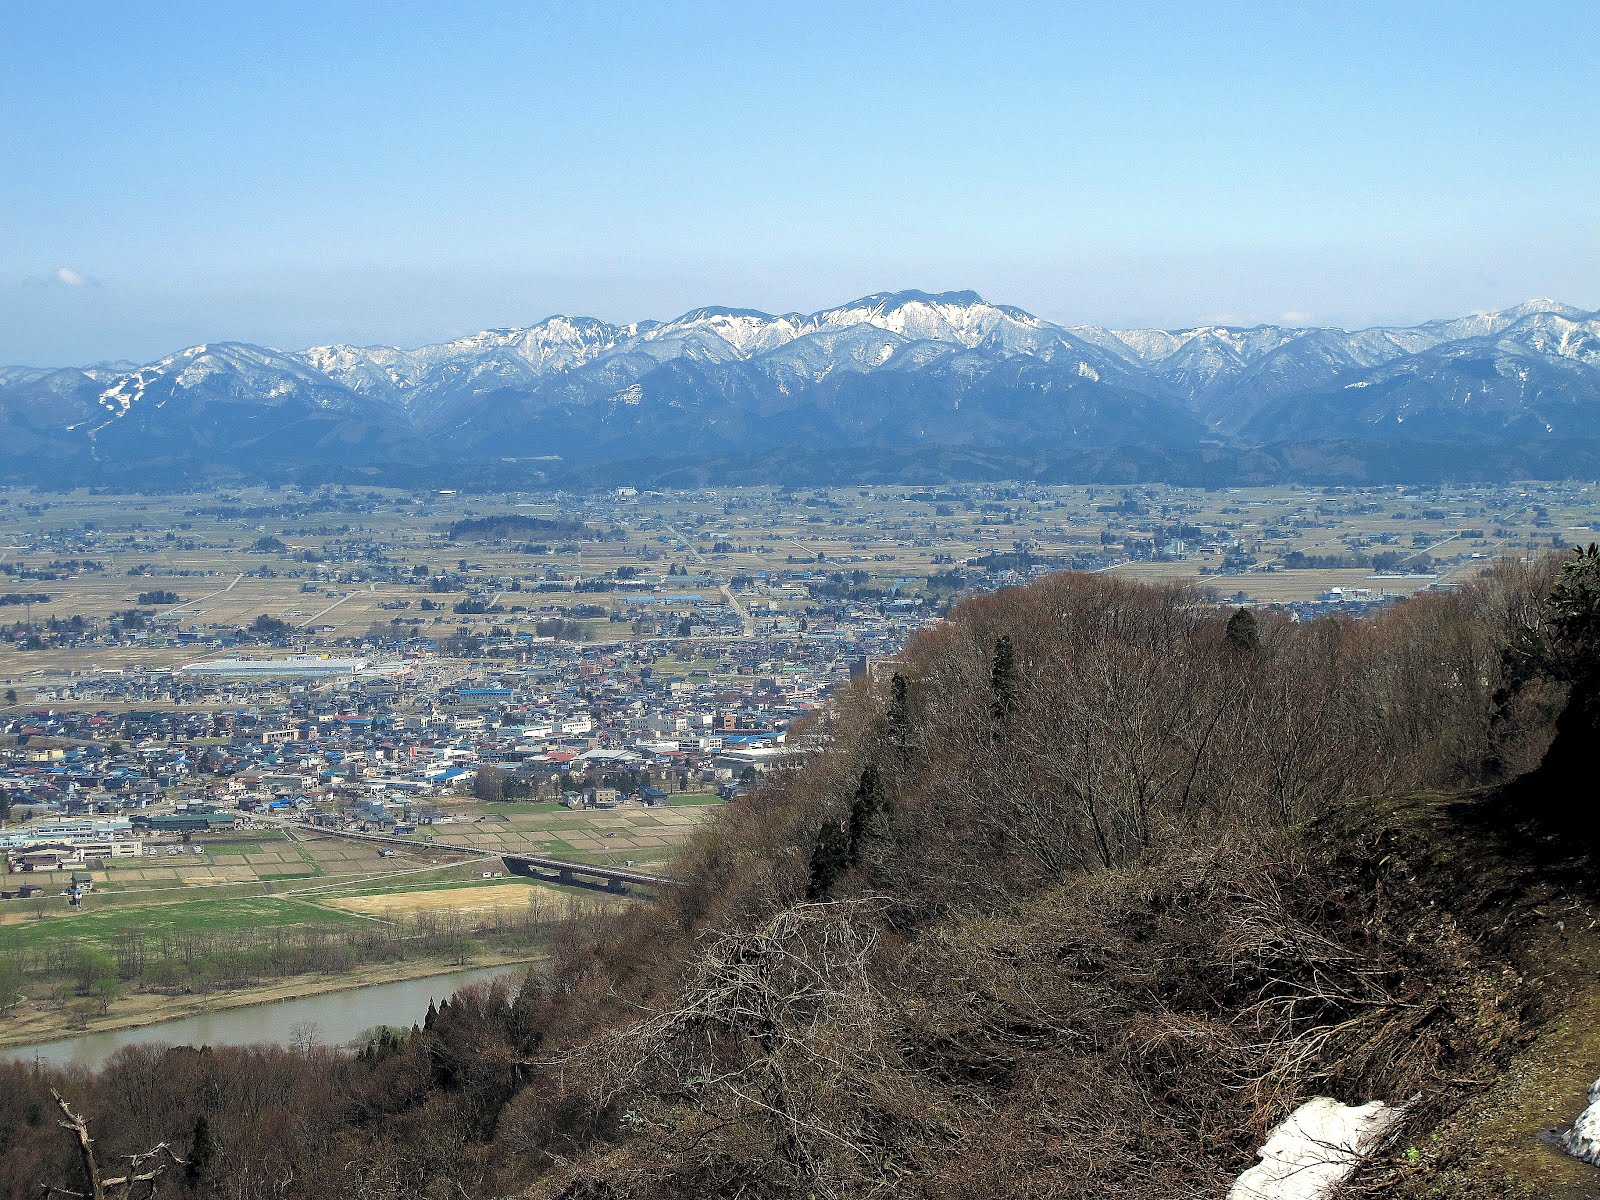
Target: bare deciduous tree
(143, 1169)
(777, 1032)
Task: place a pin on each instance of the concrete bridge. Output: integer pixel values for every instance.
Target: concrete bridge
(533, 866)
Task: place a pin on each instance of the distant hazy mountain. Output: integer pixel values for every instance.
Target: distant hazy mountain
(902, 384)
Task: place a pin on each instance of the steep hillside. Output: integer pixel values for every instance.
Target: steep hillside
(1087, 902)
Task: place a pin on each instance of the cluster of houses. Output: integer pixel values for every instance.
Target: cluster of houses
(585, 725)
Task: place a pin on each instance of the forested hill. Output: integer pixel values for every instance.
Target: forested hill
(509, 526)
(1079, 902)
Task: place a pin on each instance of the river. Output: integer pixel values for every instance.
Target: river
(337, 1018)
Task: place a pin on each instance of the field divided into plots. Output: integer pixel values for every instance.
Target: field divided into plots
(277, 878)
(333, 564)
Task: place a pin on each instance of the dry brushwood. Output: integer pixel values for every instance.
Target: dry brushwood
(777, 1031)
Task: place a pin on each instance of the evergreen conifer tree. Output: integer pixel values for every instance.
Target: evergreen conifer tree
(200, 1169)
(1569, 651)
(830, 857)
(867, 807)
(1243, 632)
(899, 717)
(1003, 677)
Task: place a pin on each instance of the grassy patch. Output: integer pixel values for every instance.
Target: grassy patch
(255, 837)
(502, 880)
(308, 858)
(553, 847)
(234, 914)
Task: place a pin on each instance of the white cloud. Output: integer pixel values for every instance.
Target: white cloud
(68, 277)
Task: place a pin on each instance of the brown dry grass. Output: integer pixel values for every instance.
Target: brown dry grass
(465, 901)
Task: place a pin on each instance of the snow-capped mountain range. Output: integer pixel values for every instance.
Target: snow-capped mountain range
(898, 373)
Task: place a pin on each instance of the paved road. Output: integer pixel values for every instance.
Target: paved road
(183, 604)
(722, 584)
(330, 608)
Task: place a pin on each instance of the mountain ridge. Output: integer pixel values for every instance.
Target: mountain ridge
(877, 375)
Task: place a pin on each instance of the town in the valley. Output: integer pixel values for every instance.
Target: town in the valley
(301, 707)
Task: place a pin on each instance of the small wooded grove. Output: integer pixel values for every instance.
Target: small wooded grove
(1070, 901)
(502, 526)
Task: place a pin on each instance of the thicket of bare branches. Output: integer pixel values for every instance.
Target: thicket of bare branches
(1068, 761)
(1133, 719)
(778, 1041)
(1132, 1032)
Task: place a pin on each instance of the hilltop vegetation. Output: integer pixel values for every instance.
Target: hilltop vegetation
(1079, 899)
(508, 526)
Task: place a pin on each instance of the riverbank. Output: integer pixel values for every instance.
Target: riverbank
(43, 1020)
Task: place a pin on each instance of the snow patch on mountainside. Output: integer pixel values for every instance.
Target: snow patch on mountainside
(964, 318)
(1532, 367)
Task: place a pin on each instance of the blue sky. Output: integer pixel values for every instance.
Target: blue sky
(298, 174)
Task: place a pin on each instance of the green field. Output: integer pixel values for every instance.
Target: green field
(232, 914)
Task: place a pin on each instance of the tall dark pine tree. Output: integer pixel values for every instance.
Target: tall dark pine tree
(200, 1169)
(1003, 677)
(830, 858)
(899, 717)
(868, 807)
(1569, 651)
(1243, 633)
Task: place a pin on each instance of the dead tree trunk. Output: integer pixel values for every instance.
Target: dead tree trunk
(117, 1187)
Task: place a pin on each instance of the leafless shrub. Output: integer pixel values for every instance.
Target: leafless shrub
(776, 1040)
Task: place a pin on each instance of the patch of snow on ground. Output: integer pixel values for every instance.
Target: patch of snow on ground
(1583, 1139)
(1315, 1150)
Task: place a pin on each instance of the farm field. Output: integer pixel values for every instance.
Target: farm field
(238, 878)
(468, 902)
(645, 836)
(192, 915)
(335, 563)
(1289, 587)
